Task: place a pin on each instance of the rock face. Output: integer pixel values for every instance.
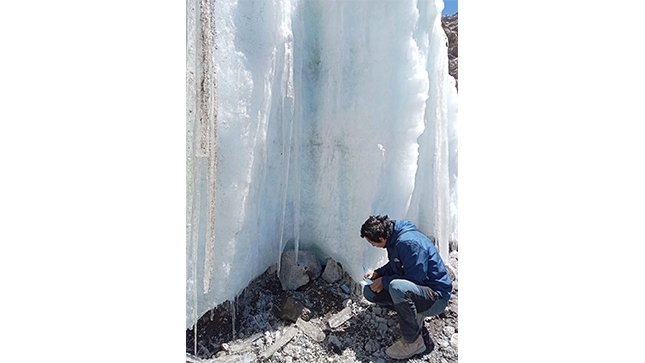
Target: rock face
(450, 26)
(293, 275)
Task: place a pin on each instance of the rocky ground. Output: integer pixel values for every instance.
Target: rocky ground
(318, 322)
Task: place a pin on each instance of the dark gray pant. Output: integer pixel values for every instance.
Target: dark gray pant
(408, 299)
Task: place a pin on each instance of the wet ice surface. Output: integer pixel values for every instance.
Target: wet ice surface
(261, 335)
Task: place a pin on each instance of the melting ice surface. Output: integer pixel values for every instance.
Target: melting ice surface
(305, 117)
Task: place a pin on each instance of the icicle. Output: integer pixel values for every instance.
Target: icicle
(192, 185)
(287, 120)
(233, 317)
(208, 128)
(441, 164)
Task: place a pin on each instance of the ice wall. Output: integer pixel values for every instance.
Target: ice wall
(305, 117)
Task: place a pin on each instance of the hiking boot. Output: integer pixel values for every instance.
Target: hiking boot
(427, 341)
(402, 349)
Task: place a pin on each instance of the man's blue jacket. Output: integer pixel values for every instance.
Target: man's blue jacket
(413, 256)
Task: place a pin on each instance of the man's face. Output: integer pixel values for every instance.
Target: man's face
(380, 243)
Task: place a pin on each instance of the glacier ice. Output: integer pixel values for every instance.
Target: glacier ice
(304, 117)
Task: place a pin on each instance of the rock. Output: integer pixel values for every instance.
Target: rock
(311, 330)
(453, 243)
(335, 344)
(268, 337)
(382, 327)
(339, 318)
(371, 346)
(454, 260)
(333, 272)
(379, 319)
(293, 275)
(306, 314)
(448, 330)
(288, 308)
(242, 346)
(244, 358)
(454, 340)
(284, 339)
(452, 272)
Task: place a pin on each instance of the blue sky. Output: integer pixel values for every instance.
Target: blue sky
(450, 7)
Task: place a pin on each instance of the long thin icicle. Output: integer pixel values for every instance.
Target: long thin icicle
(208, 120)
(192, 200)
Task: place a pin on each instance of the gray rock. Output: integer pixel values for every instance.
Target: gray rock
(288, 308)
(333, 340)
(453, 245)
(371, 346)
(454, 340)
(333, 272)
(289, 333)
(293, 275)
(452, 272)
(450, 353)
(311, 330)
(448, 330)
(339, 318)
(245, 358)
(382, 327)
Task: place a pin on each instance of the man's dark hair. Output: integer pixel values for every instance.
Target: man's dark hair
(376, 227)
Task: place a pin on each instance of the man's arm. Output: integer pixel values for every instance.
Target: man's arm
(414, 261)
(385, 270)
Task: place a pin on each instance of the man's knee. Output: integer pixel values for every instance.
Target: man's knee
(401, 287)
(368, 294)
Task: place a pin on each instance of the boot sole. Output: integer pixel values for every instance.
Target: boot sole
(422, 349)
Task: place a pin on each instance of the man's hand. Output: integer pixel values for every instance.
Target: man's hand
(371, 275)
(377, 286)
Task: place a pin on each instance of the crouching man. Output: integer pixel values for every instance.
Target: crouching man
(414, 282)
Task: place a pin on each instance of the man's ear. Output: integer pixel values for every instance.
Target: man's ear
(382, 240)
